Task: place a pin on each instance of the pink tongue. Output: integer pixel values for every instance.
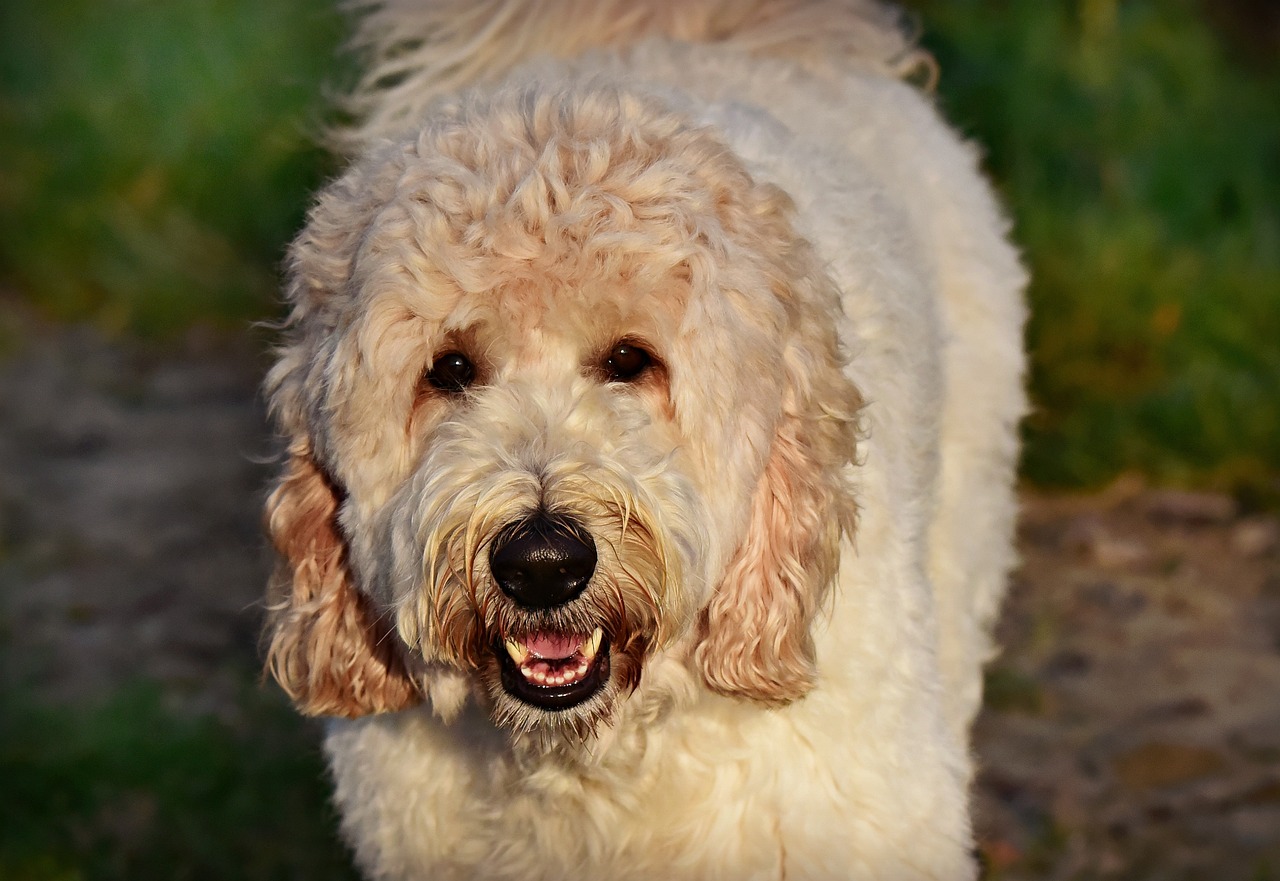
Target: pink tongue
(554, 646)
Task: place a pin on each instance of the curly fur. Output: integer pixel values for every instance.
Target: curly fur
(801, 511)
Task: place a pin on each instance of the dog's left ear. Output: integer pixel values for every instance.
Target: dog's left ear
(756, 641)
(755, 631)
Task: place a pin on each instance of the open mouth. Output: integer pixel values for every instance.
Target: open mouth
(554, 671)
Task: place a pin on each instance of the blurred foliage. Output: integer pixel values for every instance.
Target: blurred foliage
(155, 156)
(1141, 164)
(129, 790)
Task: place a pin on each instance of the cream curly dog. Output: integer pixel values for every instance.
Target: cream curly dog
(651, 387)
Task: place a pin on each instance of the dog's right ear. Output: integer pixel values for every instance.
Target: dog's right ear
(326, 647)
(325, 644)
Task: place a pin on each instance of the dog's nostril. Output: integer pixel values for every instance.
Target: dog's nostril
(543, 562)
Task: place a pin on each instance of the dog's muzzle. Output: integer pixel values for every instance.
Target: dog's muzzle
(542, 564)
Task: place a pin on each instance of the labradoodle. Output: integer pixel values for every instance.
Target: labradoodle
(651, 392)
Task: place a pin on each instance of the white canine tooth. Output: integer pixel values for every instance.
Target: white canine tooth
(517, 652)
(592, 645)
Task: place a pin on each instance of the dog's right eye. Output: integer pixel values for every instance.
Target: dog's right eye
(451, 373)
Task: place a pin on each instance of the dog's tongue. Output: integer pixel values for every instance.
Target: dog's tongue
(553, 645)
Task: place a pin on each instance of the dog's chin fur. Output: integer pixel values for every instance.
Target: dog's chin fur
(713, 285)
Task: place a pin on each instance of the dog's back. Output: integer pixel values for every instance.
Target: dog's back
(416, 51)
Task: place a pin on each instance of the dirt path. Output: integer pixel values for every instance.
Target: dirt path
(1133, 723)
(129, 516)
(1133, 728)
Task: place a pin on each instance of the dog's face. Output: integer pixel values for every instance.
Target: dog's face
(563, 392)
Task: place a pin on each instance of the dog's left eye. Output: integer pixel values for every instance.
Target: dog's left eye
(451, 372)
(626, 362)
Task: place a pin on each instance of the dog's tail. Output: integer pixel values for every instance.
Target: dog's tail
(416, 50)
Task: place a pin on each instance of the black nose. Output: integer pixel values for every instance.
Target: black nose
(543, 562)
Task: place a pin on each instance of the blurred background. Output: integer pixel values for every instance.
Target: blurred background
(155, 158)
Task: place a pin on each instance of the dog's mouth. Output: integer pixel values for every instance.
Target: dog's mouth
(554, 671)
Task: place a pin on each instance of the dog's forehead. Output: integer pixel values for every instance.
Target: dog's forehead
(498, 233)
(580, 208)
(593, 311)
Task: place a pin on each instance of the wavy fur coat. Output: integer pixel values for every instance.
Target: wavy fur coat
(651, 389)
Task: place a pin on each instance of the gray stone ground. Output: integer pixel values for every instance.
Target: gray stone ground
(130, 486)
(1133, 726)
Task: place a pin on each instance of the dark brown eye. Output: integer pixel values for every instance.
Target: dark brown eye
(626, 362)
(451, 373)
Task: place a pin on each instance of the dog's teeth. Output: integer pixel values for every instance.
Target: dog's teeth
(592, 645)
(517, 652)
(555, 672)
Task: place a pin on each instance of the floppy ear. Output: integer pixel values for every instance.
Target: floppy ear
(756, 641)
(755, 631)
(326, 647)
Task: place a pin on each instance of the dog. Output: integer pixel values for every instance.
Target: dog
(651, 391)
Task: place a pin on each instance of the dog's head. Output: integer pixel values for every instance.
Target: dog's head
(563, 392)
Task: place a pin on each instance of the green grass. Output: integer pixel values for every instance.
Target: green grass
(155, 156)
(1142, 167)
(130, 791)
